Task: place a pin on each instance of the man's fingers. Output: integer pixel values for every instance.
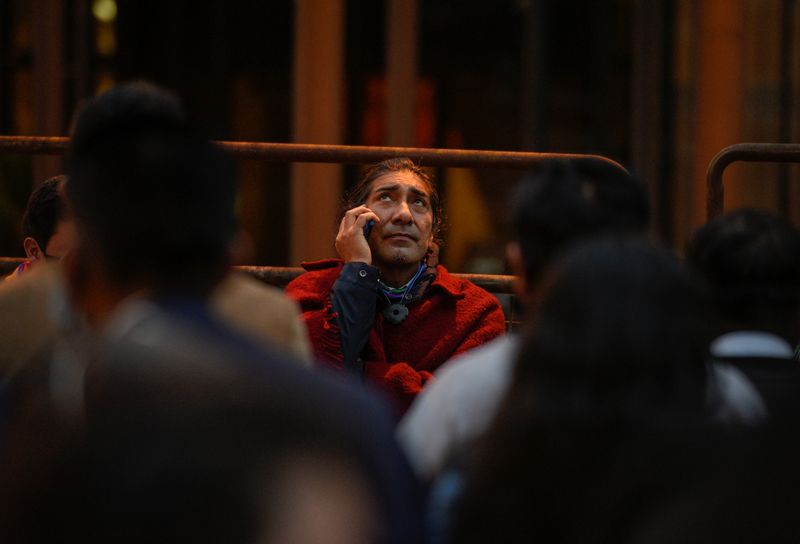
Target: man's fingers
(355, 212)
(358, 217)
(365, 217)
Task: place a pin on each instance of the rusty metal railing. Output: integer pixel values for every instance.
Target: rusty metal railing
(744, 152)
(344, 154)
(279, 276)
(502, 285)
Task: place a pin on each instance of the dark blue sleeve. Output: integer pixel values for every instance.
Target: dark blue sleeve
(364, 421)
(367, 423)
(353, 298)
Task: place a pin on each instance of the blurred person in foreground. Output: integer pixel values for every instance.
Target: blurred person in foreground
(751, 259)
(386, 311)
(153, 205)
(551, 210)
(182, 449)
(47, 228)
(153, 202)
(616, 351)
(151, 224)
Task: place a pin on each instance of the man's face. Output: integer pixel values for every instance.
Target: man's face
(402, 201)
(62, 240)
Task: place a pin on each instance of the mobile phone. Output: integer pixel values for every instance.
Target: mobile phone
(368, 227)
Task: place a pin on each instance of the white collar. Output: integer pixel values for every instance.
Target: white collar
(751, 344)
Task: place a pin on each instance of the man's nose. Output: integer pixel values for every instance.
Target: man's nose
(402, 213)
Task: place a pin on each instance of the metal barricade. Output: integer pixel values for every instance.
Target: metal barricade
(279, 276)
(343, 154)
(744, 152)
(500, 285)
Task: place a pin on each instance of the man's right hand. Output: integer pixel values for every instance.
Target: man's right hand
(351, 244)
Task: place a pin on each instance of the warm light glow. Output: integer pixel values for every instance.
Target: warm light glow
(105, 10)
(106, 40)
(104, 82)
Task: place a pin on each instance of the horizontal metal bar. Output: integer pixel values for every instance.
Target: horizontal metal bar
(345, 154)
(55, 145)
(744, 152)
(279, 276)
(34, 145)
(350, 154)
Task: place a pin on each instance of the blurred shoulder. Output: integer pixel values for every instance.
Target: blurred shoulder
(261, 311)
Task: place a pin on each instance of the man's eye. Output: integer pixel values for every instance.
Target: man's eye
(384, 196)
(420, 202)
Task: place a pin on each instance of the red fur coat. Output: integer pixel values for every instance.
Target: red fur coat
(452, 316)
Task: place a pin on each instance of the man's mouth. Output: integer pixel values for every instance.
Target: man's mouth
(400, 236)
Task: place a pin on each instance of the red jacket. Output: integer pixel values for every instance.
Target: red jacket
(453, 316)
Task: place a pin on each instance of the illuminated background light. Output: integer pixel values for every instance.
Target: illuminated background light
(105, 10)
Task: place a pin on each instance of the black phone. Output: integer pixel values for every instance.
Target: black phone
(368, 227)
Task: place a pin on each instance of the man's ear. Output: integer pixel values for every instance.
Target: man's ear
(517, 264)
(32, 250)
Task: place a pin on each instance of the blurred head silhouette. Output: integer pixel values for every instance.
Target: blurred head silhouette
(153, 201)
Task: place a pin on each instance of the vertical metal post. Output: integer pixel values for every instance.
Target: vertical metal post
(649, 136)
(82, 53)
(532, 74)
(6, 24)
(48, 78)
(401, 71)
(720, 92)
(785, 104)
(318, 118)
